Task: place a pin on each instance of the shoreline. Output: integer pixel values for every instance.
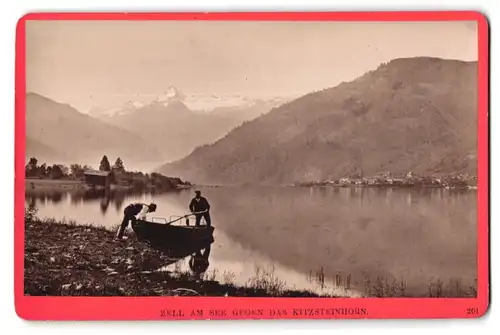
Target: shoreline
(79, 185)
(69, 185)
(67, 259)
(382, 186)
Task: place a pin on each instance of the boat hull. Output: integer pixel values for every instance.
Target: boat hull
(172, 235)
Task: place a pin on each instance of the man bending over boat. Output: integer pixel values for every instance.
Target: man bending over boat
(201, 208)
(133, 212)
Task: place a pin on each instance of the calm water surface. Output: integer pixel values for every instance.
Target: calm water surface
(419, 236)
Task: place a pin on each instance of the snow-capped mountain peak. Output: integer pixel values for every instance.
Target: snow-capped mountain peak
(170, 95)
(126, 108)
(199, 102)
(133, 105)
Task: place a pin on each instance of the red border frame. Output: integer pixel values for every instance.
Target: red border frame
(148, 308)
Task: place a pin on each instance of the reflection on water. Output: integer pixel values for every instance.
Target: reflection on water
(339, 234)
(197, 264)
(198, 254)
(76, 198)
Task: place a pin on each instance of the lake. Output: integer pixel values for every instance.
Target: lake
(316, 238)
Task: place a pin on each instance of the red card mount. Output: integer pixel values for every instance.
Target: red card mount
(49, 307)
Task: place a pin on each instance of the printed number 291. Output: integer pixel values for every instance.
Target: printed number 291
(472, 311)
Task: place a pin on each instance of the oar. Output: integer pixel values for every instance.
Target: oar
(187, 215)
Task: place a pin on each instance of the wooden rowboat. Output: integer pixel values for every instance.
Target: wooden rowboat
(167, 234)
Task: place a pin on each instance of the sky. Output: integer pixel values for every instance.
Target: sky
(106, 63)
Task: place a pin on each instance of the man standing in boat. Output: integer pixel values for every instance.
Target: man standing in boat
(200, 206)
(133, 212)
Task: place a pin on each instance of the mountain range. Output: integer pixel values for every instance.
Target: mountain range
(176, 130)
(59, 133)
(410, 114)
(143, 134)
(199, 103)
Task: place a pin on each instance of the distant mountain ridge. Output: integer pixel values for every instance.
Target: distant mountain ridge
(176, 130)
(42, 151)
(173, 127)
(66, 134)
(200, 103)
(410, 114)
(143, 134)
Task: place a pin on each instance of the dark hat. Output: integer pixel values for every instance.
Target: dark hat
(152, 206)
(197, 192)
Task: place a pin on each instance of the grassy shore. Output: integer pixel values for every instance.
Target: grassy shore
(65, 259)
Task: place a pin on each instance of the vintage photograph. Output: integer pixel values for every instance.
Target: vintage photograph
(251, 158)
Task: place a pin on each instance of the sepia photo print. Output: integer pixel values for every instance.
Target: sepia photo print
(251, 158)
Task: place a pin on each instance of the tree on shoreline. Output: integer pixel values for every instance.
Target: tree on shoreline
(77, 171)
(104, 165)
(31, 169)
(118, 166)
(57, 172)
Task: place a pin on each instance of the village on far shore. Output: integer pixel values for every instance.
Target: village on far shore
(459, 181)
